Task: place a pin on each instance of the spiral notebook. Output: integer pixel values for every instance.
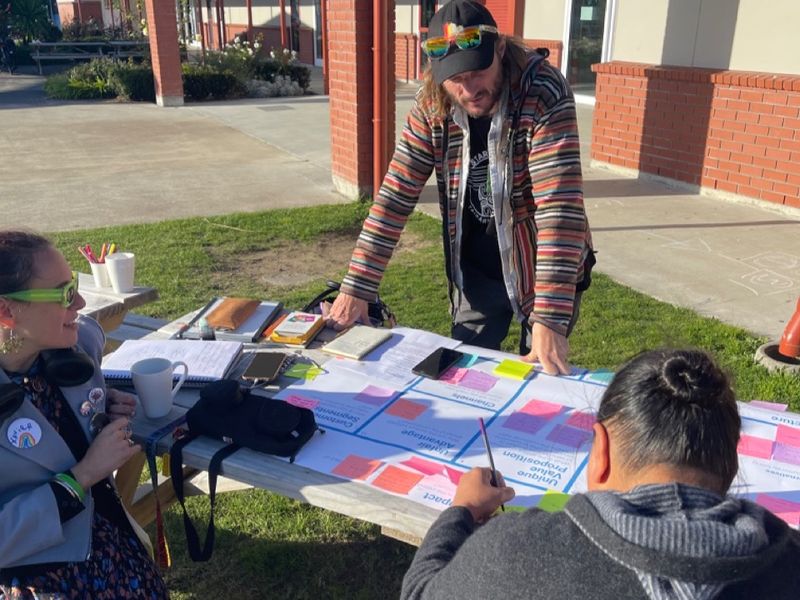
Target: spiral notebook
(207, 360)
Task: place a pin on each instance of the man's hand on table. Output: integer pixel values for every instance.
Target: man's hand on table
(476, 493)
(346, 310)
(550, 349)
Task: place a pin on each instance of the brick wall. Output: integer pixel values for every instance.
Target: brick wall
(733, 131)
(405, 58)
(556, 48)
(350, 87)
(164, 53)
(69, 12)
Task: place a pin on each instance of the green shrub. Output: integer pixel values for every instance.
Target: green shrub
(202, 81)
(282, 63)
(301, 74)
(62, 87)
(132, 81)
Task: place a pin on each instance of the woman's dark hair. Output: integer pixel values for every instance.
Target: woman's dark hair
(674, 407)
(18, 250)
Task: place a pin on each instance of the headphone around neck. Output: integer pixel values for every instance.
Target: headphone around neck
(63, 368)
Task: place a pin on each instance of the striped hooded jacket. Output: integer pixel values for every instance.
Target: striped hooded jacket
(542, 229)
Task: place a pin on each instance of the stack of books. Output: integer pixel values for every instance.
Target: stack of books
(297, 329)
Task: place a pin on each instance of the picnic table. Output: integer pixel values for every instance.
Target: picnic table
(398, 517)
(108, 307)
(60, 51)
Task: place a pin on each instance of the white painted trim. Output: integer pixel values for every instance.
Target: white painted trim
(608, 31)
(567, 24)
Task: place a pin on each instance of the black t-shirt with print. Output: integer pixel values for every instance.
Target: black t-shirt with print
(479, 248)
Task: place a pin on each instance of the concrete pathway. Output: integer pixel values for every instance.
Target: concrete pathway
(69, 165)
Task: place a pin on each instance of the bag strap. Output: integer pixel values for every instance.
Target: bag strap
(332, 288)
(176, 469)
(162, 556)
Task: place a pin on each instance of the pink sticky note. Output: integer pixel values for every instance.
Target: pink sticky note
(356, 467)
(777, 406)
(540, 408)
(524, 422)
(399, 481)
(582, 420)
(406, 409)
(423, 466)
(788, 435)
(374, 395)
(478, 380)
(786, 509)
(302, 401)
(428, 468)
(750, 445)
(786, 454)
(569, 436)
(453, 375)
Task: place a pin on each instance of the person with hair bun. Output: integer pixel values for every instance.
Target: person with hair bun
(63, 530)
(656, 523)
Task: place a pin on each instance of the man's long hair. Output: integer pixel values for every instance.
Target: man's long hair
(433, 96)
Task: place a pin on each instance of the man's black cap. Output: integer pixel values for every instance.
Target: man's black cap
(465, 13)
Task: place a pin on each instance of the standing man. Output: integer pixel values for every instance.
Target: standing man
(498, 124)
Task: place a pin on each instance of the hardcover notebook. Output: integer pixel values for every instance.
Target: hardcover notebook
(248, 331)
(357, 342)
(298, 328)
(207, 360)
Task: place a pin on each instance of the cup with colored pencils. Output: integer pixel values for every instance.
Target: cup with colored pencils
(98, 263)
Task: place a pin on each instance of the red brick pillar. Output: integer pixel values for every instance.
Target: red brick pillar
(350, 91)
(162, 29)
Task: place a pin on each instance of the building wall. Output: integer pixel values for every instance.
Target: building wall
(732, 131)
(717, 34)
(544, 19)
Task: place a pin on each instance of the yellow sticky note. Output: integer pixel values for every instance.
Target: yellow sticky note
(303, 371)
(553, 501)
(515, 369)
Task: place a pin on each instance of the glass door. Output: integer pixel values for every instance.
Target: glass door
(585, 46)
(318, 50)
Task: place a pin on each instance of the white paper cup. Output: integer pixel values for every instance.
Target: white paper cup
(152, 378)
(100, 274)
(120, 267)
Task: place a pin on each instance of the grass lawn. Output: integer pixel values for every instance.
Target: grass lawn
(271, 547)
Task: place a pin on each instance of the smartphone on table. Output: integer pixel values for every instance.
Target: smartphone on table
(265, 366)
(437, 362)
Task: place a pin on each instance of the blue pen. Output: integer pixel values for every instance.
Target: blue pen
(489, 454)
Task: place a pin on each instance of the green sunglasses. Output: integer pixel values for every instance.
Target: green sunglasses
(64, 295)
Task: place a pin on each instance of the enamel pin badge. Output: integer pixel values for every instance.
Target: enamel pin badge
(94, 402)
(24, 433)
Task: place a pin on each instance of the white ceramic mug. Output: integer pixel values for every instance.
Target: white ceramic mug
(152, 378)
(120, 267)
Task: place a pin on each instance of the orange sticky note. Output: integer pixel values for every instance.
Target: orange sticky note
(406, 409)
(397, 480)
(356, 467)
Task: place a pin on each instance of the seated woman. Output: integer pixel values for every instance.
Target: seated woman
(63, 530)
(656, 523)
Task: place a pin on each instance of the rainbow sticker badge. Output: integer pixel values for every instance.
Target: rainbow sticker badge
(24, 433)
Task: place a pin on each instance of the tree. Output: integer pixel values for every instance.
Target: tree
(30, 19)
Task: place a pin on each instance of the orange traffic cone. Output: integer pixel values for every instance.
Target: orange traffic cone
(790, 340)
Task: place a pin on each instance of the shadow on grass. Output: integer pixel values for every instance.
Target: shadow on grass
(259, 564)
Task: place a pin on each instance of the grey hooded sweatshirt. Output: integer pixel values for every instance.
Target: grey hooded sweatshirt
(657, 542)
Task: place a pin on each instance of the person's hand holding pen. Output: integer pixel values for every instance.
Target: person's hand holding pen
(476, 493)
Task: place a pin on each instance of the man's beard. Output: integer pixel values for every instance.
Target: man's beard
(494, 96)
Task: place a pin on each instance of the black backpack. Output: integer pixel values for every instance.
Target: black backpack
(228, 412)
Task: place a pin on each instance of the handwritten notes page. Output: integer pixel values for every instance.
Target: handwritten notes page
(414, 437)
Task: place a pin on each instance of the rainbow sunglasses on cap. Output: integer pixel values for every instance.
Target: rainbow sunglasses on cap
(64, 295)
(465, 38)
